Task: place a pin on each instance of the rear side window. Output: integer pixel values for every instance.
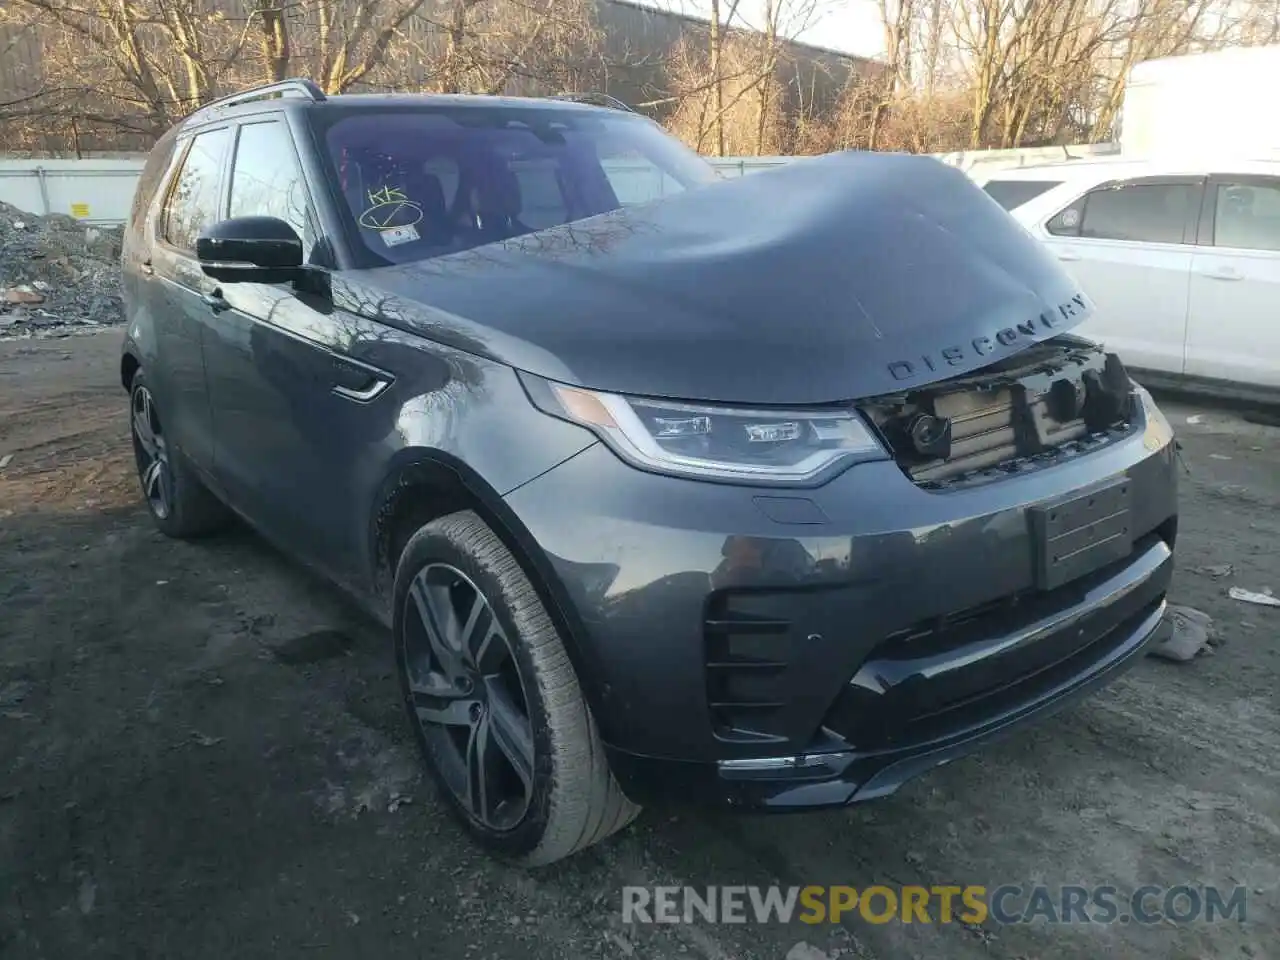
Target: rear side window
(1138, 212)
(1247, 216)
(149, 181)
(153, 172)
(266, 180)
(1012, 194)
(193, 201)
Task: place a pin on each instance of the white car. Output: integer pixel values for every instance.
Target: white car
(1182, 260)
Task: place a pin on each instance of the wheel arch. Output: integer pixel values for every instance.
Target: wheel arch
(423, 485)
(129, 366)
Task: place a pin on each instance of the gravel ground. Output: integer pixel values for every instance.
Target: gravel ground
(57, 275)
(200, 755)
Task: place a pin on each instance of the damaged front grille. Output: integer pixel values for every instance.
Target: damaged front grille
(1056, 399)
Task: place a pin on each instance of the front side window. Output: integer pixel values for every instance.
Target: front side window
(424, 182)
(192, 204)
(1247, 216)
(266, 180)
(1138, 212)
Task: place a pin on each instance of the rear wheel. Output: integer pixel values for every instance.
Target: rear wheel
(494, 701)
(179, 503)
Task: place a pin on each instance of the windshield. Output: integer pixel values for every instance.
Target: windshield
(422, 182)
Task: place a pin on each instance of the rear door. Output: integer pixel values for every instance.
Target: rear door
(1129, 244)
(191, 203)
(1234, 328)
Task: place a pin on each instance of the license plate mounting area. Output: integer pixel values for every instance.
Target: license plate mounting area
(1076, 534)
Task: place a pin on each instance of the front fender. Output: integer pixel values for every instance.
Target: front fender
(448, 484)
(463, 433)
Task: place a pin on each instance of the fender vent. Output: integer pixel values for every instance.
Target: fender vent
(745, 658)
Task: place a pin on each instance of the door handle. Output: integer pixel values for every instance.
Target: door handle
(146, 268)
(215, 302)
(1068, 255)
(363, 395)
(356, 382)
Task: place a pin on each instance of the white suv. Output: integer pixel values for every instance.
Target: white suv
(1182, 260)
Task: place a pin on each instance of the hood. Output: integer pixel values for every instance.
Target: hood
(826, 279)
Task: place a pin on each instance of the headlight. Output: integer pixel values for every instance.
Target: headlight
(785, 447)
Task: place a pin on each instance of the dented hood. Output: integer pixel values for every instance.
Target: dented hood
(827, 279)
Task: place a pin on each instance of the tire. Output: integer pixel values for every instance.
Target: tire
(178, 502)
(571, 799)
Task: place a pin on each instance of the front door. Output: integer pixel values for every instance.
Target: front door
(1234, 328)
(275, 365)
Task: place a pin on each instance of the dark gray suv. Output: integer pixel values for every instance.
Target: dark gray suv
(770, 493)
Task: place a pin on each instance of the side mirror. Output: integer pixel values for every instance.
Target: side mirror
(250, 250)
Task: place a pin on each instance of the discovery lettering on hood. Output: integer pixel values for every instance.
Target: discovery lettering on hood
(1027, 332)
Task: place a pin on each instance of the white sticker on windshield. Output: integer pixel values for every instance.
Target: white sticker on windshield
(394, 236)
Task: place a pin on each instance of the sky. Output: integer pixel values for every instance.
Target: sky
(850, 26)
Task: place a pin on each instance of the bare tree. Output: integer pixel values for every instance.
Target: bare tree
(491, 46)
(716, 32)
(733, 90)
(451, 46)
(153, 61)
(897, 18)
(954, 73)
(1043, 70)
(933, 30)
(1257, 23)
(1155, 28)
(782, 19)
(337, 44)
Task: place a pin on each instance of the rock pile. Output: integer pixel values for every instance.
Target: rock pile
(56, 274)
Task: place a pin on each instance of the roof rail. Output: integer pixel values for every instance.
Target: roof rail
(595, 99)
(295, 87)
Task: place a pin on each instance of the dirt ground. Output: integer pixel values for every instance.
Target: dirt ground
(201, 753)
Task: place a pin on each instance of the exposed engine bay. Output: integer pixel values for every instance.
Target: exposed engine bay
(1057, 399)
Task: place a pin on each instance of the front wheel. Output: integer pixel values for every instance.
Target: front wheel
(494, 701)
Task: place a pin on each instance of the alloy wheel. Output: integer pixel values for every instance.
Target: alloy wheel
(151, 452)
(467, 696)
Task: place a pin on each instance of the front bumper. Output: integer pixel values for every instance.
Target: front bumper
(782, 650)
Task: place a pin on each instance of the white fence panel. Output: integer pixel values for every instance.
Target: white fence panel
(981, 163)
(741, 166)
(95, 191)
